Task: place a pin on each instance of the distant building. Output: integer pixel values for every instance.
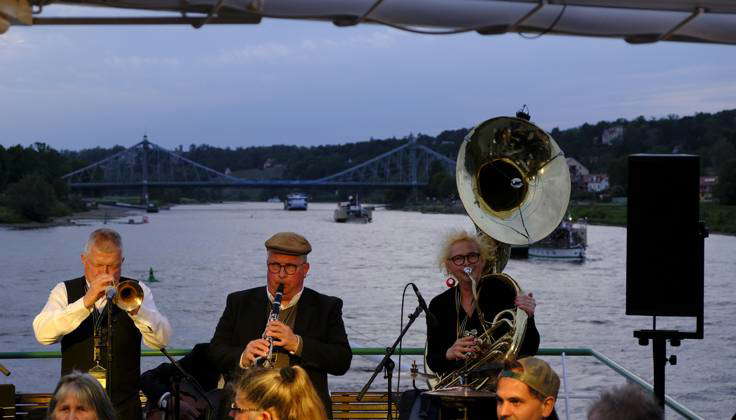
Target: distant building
(577, 169)
(577, 173)
(596, 182)
(612, 134)
(228, 171)
(707, 183)
(268, 163)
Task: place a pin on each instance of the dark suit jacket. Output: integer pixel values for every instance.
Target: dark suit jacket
(325, 347)
(494, 297)
(156, 382)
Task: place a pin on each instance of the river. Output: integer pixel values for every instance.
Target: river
(200, 253)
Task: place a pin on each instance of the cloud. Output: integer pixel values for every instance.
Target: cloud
(135, 62)
(303, 49)
(263, 52)
(689, 98)
(21, 43)
(375, 39)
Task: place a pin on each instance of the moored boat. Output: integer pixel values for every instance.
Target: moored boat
(353, 211)
(567, 242)
(296, 201)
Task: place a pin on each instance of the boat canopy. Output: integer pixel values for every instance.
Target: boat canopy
(636, 21)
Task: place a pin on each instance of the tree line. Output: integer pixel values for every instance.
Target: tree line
(31, 186)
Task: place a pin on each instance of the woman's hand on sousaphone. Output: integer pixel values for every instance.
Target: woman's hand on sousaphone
(463, 348)
(526, 303)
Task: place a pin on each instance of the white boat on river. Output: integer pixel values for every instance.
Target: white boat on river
(296, 201)
(567, 242)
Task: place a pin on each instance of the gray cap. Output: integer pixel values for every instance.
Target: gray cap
(289, 243)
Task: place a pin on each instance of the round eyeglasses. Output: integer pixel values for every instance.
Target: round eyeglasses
(460, 260)
(275, 268)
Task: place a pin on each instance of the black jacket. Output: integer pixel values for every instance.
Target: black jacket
(156, 382)
(325, 347)
(493, 297)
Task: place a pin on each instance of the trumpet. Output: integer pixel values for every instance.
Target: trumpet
(127, 295)
(269, 360)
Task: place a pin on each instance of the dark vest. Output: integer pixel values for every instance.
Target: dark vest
(77, 346)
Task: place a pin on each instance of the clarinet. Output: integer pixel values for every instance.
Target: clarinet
(270, 359)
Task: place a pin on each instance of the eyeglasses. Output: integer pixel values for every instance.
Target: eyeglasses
(275, 268)
(459, 260)
(234, 408)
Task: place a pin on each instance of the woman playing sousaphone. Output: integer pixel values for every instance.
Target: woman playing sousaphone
(452, 340)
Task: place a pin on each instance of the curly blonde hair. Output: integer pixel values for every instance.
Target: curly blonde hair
(286, 392)
(486, 245)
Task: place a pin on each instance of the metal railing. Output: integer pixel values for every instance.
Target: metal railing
(564, 353)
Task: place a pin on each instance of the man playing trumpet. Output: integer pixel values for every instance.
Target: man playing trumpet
(309, 331)
(75, 315)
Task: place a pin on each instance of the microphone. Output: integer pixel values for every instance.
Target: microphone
(431, 320)
(110, 292)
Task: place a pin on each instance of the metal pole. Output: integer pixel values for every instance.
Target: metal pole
(658, 354)
(145, 170)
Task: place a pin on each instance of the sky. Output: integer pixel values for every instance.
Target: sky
(312, 83)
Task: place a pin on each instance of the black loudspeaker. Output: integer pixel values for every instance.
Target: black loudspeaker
(664, 244)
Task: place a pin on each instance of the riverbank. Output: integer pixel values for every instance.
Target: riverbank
(75, 219)
(718, 218)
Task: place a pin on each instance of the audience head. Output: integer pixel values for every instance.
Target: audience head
(79, 396)
(527, 390)
(276, 394)
(626, 402)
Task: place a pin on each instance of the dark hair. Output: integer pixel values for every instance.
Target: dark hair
(287, 392)
(625, 402)
(87, 390)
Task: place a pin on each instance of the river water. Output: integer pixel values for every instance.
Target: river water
(203, 252)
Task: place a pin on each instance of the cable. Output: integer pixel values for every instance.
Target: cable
(401, 328)
(546, 31)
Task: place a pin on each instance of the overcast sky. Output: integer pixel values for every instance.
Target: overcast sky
(311, 83)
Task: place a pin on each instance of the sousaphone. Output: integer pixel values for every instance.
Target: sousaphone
(513, 180)
(514, 183)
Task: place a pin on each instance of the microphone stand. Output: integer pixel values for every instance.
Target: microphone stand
(176, 382)
(389, 364)
(108, 340)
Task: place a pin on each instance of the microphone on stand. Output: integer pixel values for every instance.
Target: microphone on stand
(110, 292)
(422, 304)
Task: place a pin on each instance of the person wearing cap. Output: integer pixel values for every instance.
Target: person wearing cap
(310, 330)
(527, 390)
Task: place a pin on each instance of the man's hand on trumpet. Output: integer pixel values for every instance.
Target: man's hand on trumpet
(97, 289)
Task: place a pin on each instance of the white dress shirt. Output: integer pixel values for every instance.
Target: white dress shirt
(58, 318)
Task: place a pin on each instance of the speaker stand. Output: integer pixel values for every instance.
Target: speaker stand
(659, 343)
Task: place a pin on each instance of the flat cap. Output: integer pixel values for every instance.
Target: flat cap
(289, 243)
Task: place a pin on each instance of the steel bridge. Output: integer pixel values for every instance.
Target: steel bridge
(147, 165)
